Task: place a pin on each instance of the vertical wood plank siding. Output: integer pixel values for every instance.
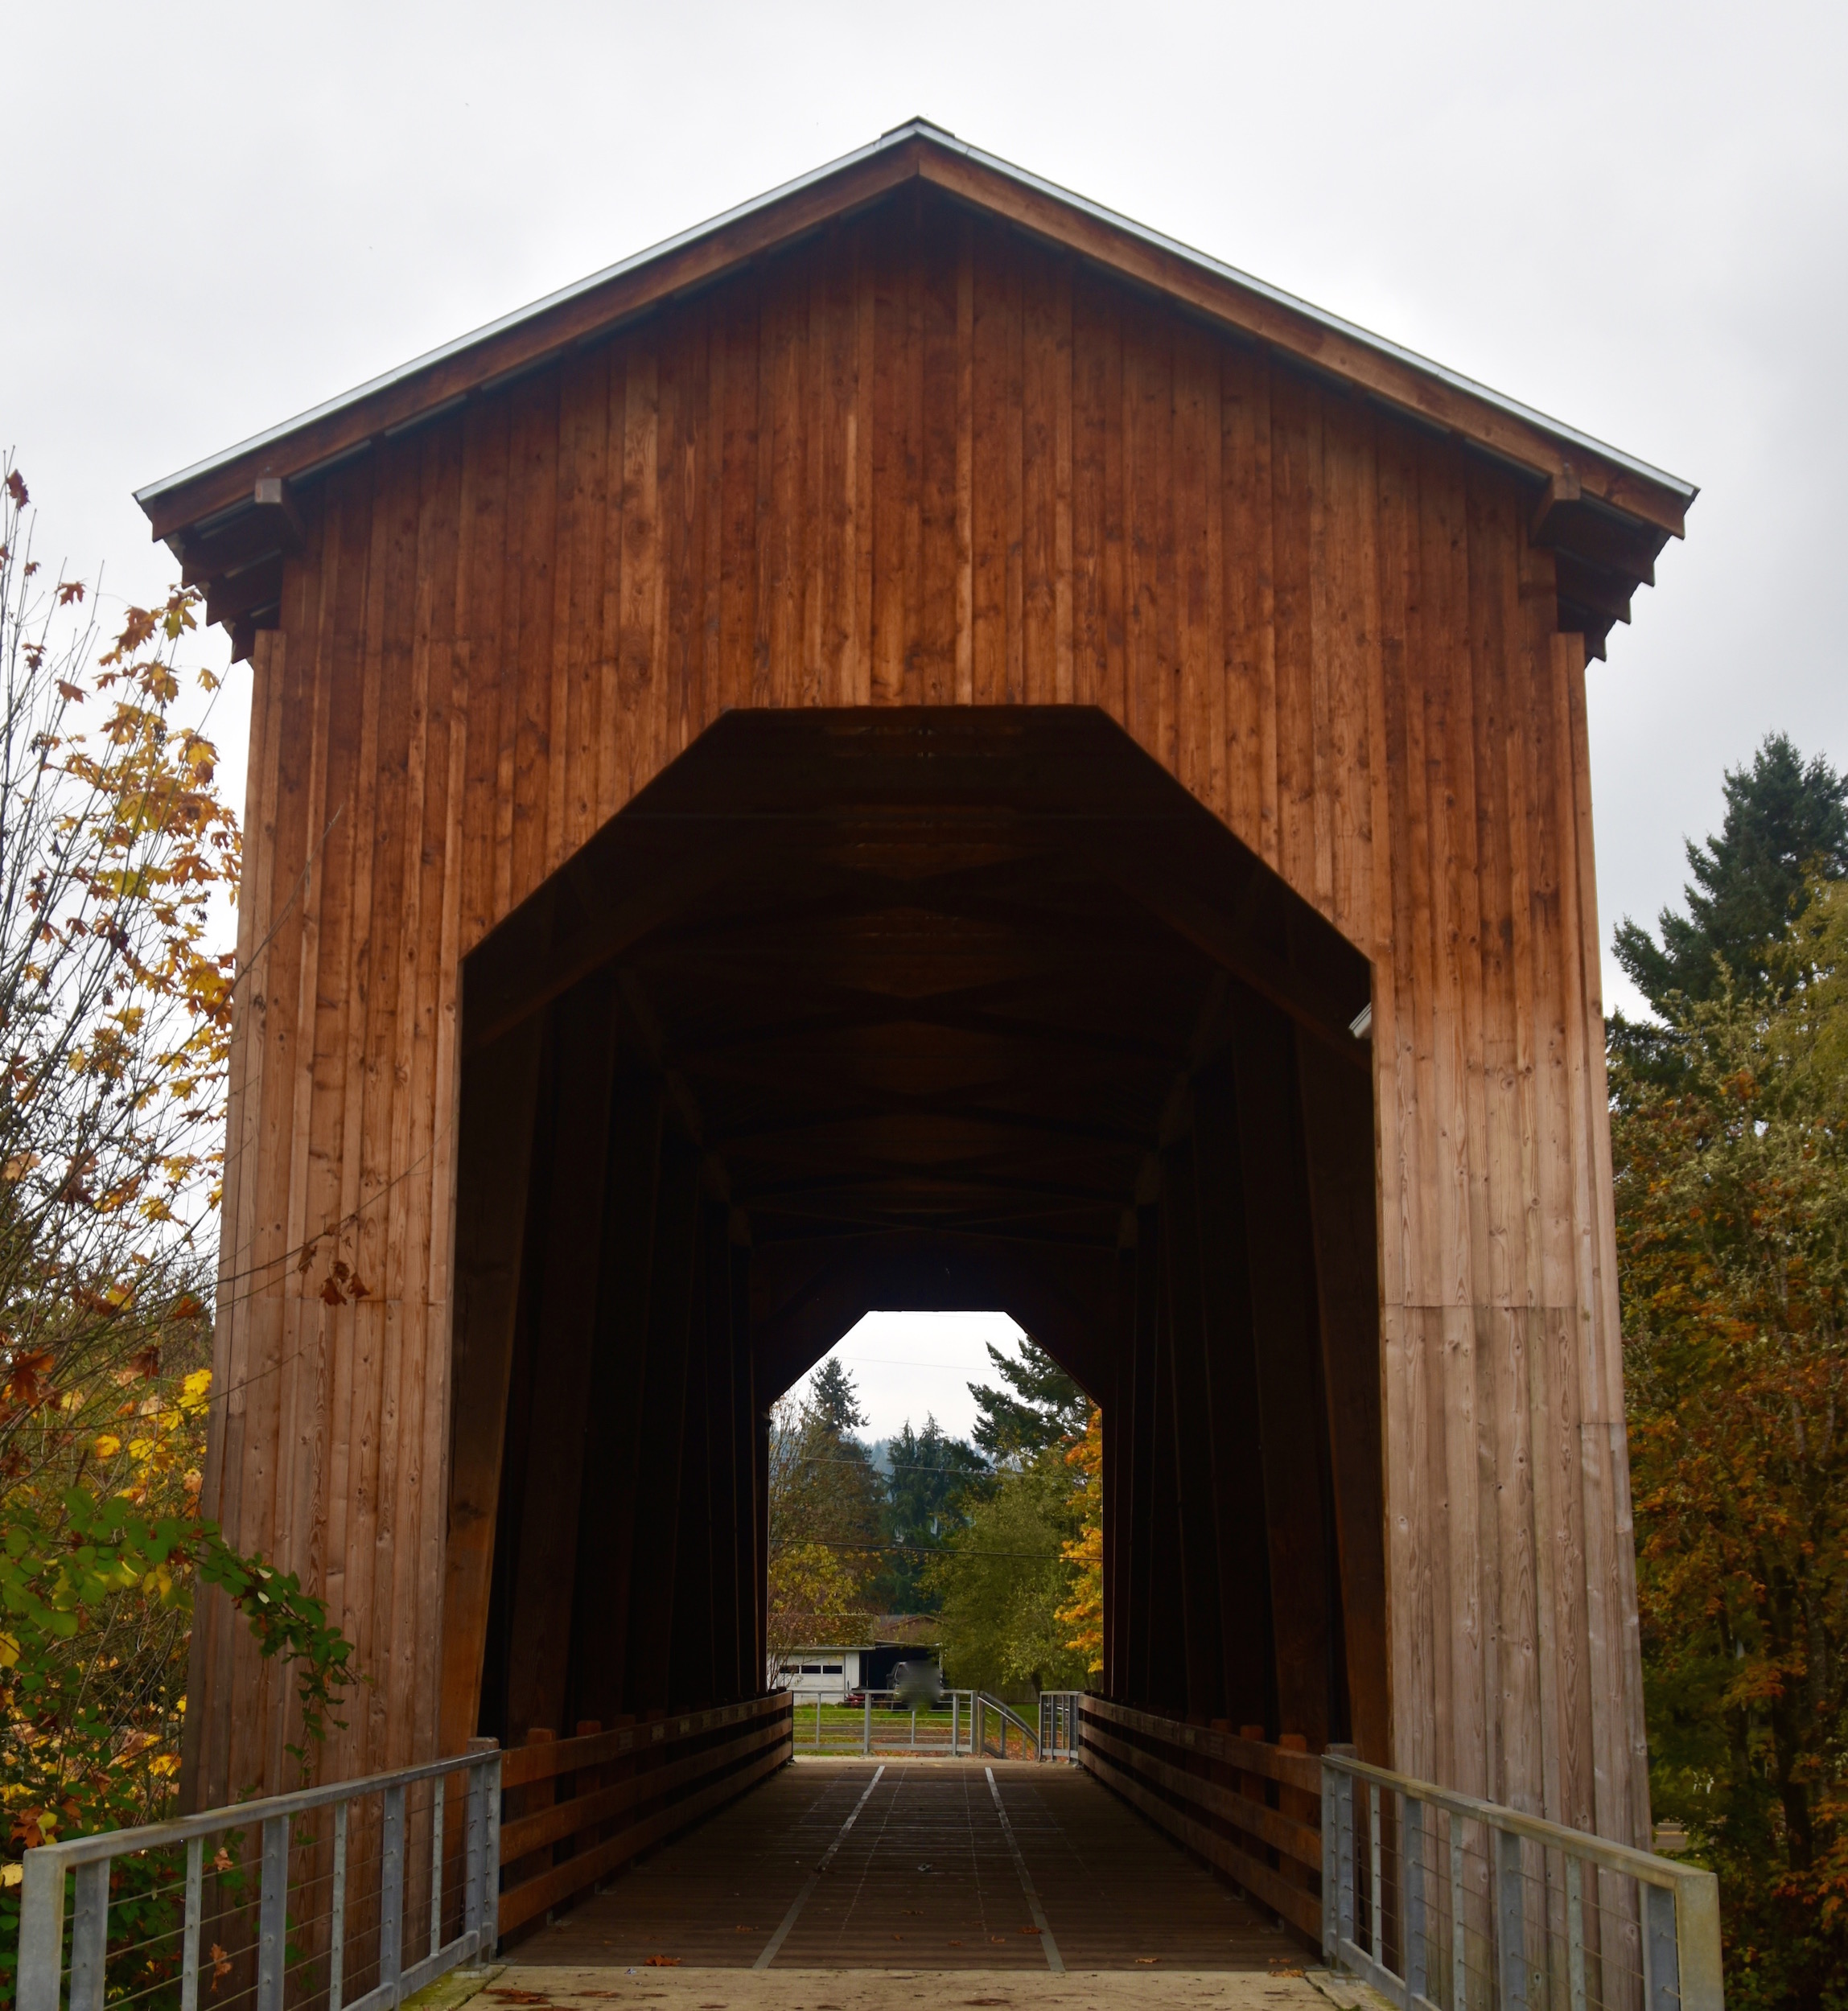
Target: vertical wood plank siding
(920, 460)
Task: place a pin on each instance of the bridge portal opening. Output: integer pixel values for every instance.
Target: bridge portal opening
(914, 1010)
(930, 1008)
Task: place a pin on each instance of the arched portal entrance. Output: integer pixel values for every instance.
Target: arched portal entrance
(930, 1007)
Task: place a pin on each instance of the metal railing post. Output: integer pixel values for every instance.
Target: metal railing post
(474, 1884)
(438, 1791)
(491, 1869)
(1511, 1922)
(1661, 1968)
(1331, 1918)
(273, 1915)
(953, 1705)
(1374, 1910)
(391, 1888)
(867, 1729)
(1412, 1861)
(1697, 1942)
(41, 1932)
(337, 1915)
(189, 1932)
(1344, 1858)
(89, 1935)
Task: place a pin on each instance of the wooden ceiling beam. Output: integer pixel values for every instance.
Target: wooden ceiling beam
(570, 928)
(878, 1012)
(1583, 585)
(966, 1177)
(1311, 1003)
(268, 524)
(894, 1105)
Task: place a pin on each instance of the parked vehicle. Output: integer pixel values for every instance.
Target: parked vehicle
(917, 1686)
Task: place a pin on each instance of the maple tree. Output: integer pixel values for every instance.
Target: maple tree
(118, 857)
(1083, 1613)
(1732, 1209)
(1003, 1579)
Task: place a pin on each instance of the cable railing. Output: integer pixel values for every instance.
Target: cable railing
(1059, 1717)
(320, 1898)
(1443, 1902)
(955, 1725)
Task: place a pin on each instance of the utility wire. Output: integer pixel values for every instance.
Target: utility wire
(917, 1549)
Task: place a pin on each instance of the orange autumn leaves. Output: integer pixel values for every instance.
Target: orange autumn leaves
(1731, 1163)
(1084, 1613)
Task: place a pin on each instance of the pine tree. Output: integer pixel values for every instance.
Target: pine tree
(1786, 823)
(833, 1399)
(1041, 1406)
(926, 1499)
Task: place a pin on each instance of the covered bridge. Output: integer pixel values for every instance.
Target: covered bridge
(923, 745)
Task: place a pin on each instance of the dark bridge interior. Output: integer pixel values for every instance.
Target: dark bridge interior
(914, 1008)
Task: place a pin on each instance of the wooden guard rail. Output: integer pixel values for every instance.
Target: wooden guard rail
(587, 1804)
(1251, 1809)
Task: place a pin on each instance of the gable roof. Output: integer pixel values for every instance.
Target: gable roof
(1609, 512)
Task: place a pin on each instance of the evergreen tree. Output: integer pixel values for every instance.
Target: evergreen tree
(1040, 1407)
(927, 1494)
(833, 1399)
(1786, 823)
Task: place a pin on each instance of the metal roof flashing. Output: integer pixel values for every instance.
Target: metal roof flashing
(913, 130)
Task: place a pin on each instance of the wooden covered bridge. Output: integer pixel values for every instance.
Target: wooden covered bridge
(924, 745)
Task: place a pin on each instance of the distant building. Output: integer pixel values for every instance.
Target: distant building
(837, 1673)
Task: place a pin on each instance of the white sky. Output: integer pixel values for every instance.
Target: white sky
(915, 1365)
(1634, 216)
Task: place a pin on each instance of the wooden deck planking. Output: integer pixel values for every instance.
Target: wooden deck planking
(924, 1881)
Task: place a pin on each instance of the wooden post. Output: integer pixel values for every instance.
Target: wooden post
(564, 1344)
(721, 1362)
(1246, 1627)
(1338, 1141)
(1280, 1255)
(607, 1520)
(494, 1159)
(1167, 1676)
(1139, 1536)
(1193, 1421)
(749, 1588)
(689, 1666)
(656, 1522)
(1119, 1455)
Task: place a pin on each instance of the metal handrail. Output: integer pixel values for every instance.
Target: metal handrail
(1058, 1716)
(1008, 1715)
(1675, 1920)
(85, 1861)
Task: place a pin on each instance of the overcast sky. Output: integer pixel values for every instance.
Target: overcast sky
(1635, 217)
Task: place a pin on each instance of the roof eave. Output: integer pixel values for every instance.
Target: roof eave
(312, 441)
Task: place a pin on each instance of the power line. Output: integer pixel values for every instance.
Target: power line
(896, 1466)
(916, 1549)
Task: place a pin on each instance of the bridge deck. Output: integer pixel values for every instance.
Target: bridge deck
(925, 1878)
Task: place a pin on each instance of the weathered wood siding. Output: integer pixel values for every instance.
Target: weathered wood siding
(922, 459)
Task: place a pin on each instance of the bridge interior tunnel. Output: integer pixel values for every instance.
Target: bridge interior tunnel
(928, 1009)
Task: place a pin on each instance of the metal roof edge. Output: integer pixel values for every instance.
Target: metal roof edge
(898, 136)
